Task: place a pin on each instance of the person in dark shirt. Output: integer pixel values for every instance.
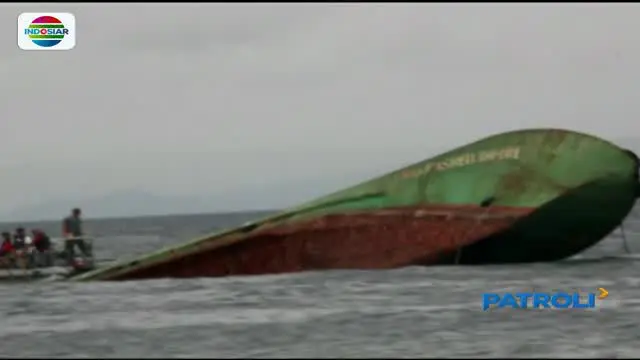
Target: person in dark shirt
(72, 224)
(72, 232)
(42, 243)
(41, 240)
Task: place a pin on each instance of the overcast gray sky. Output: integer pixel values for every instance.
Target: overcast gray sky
(199, 98)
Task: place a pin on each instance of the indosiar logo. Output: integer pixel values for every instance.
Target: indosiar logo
(46, 31)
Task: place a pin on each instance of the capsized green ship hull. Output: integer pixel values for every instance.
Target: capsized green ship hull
(560, 228)
(530, 195)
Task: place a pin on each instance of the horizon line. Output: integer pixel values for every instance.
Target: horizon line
(122, 217)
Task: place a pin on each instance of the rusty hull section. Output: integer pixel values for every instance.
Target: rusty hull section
(381, 239)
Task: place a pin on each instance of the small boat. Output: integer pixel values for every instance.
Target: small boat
(53, 265)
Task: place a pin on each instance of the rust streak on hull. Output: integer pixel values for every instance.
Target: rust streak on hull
(380, 239)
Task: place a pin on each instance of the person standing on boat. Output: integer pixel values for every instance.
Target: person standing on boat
(72, 232)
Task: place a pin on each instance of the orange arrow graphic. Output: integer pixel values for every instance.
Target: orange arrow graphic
(603, 293)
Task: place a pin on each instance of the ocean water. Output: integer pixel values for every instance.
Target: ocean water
(410, 312)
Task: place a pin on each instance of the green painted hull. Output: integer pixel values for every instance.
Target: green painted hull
(574, 189)
(526, 168)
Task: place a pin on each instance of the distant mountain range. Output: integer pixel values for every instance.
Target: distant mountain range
(139, 202)
(124, 203)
